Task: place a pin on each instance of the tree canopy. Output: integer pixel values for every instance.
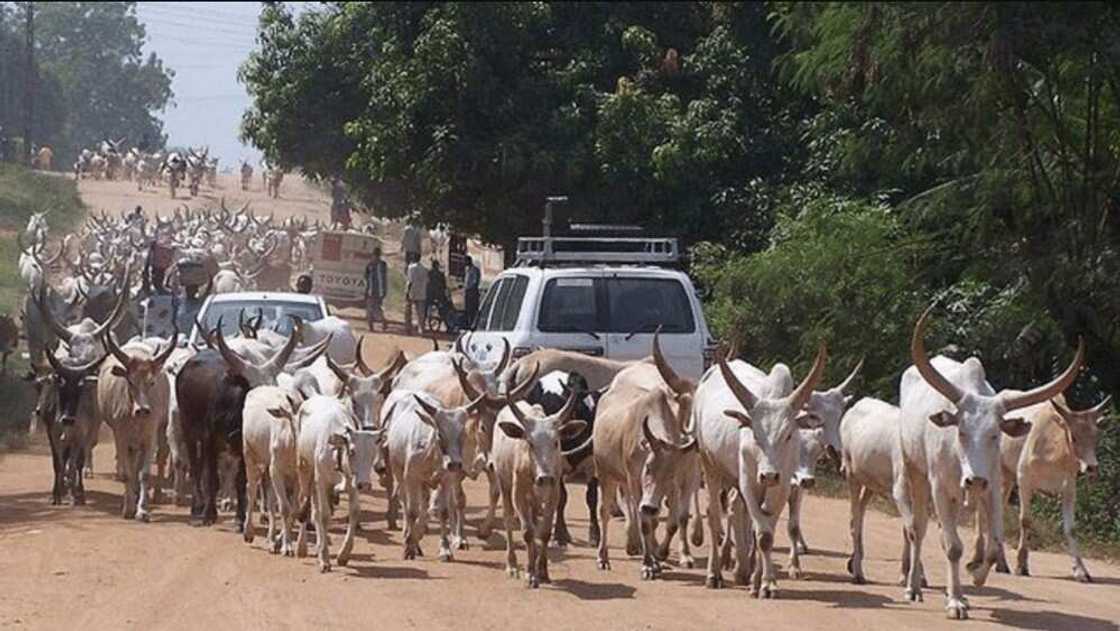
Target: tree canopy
(93, 82)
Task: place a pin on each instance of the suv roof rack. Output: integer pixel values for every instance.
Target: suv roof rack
(543, 251)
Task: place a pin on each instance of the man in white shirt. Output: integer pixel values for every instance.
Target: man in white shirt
(417, 294)
(410, 243)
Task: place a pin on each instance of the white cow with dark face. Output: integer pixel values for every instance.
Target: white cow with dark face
(952, 421)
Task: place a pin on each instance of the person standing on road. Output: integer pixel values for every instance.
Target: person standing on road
(410, 243)
(437, 292)
(417, 292)
(377, 287)
(472, 278)
(340, 204)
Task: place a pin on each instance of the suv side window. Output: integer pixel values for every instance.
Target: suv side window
(643, 304)
(505, 298)
(570, 304)
(483, 322)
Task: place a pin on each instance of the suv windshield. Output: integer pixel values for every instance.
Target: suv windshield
(275, 312)
(642, 304)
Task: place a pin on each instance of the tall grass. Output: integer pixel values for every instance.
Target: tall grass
(23, 192)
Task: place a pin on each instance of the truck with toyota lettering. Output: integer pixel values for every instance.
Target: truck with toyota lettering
(338, 265)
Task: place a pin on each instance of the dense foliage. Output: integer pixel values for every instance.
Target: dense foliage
(92, 81)
(835, 167)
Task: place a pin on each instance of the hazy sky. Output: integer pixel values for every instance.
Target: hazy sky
(204, 43)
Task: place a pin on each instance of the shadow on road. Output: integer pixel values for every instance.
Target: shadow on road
(1051, 621)
(595, 591)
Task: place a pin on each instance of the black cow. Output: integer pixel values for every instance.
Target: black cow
(70, 429)
(551, 393)
(210, 404)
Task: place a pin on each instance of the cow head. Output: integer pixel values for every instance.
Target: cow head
(979, 419)
(480, 427)
(363, 453)
(543, 434)
(772, 422)
(812, 447)
(449, 425)
(266, 372)
(826, 408)
(1081, 429)
(665, 444)
(68, 382)
(140, 372)
(366, 389)
(83, 338)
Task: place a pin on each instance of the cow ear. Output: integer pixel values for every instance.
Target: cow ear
(744, 420)
(573, 428)
(944, 418)
(513, 430)
(279, 412)
(1014, 427)
(809, 420)
(119, 371)
(337, 440)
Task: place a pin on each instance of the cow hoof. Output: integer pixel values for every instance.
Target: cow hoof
(802, 549)
(913, 595)
(445, 556)
(633, 549)
(714, 582)
(648, 573)
(768, 591)
(604, 564)
(956, 609)
(460, 543)
(276, 547)
(1002, 568)
(409, 555)
(342, 561)
(143, 516)
(662, 553)
(534, 582)
(743, 578)
(56, 501)
(1082, 577)
(593, 542)
(512, 571)
(795, 573)
(859, 579)
(324, 568)
(687, 562)
(1022, 570)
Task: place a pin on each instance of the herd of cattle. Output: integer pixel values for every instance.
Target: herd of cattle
(299, 419)
(110, 161)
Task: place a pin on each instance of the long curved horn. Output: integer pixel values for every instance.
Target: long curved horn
(277, 362)
(73, 372)
(670, 376)
(851, 377)
(504, 361)
(581, 451)
(804, 390)
(521, 418)
(1102, 406)
(398, 362)
(338, 371)
(233, 360)
(118, 309)
(40, 300)
(207, 336)
(522, 390)
(162, 357)
(360, 363)
(565, 412)
(428, 407)
(651, 438)
(111, 344)
(920, 357)
(746, 398)
(1049, 390)
(464, 383)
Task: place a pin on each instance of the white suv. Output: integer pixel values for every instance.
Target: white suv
(605, 309)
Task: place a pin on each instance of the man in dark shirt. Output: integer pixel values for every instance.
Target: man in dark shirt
(472, 278)
(437, 291)
(377, 287)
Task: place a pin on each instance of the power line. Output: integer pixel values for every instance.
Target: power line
(193, 10)
(196, 25)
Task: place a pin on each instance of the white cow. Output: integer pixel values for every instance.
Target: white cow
(871, 461)
(1061, 445)
(329, 438)
(270, 429)
(951, 422)
(528, 467)
(425, 445)
(746, 424)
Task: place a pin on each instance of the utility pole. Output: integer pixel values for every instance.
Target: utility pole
(29, 85)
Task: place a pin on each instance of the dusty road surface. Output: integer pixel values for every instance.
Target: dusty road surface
(86, 568)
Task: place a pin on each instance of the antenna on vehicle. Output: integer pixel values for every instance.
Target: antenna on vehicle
(546, 223)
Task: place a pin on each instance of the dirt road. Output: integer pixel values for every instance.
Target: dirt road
(86, 568)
